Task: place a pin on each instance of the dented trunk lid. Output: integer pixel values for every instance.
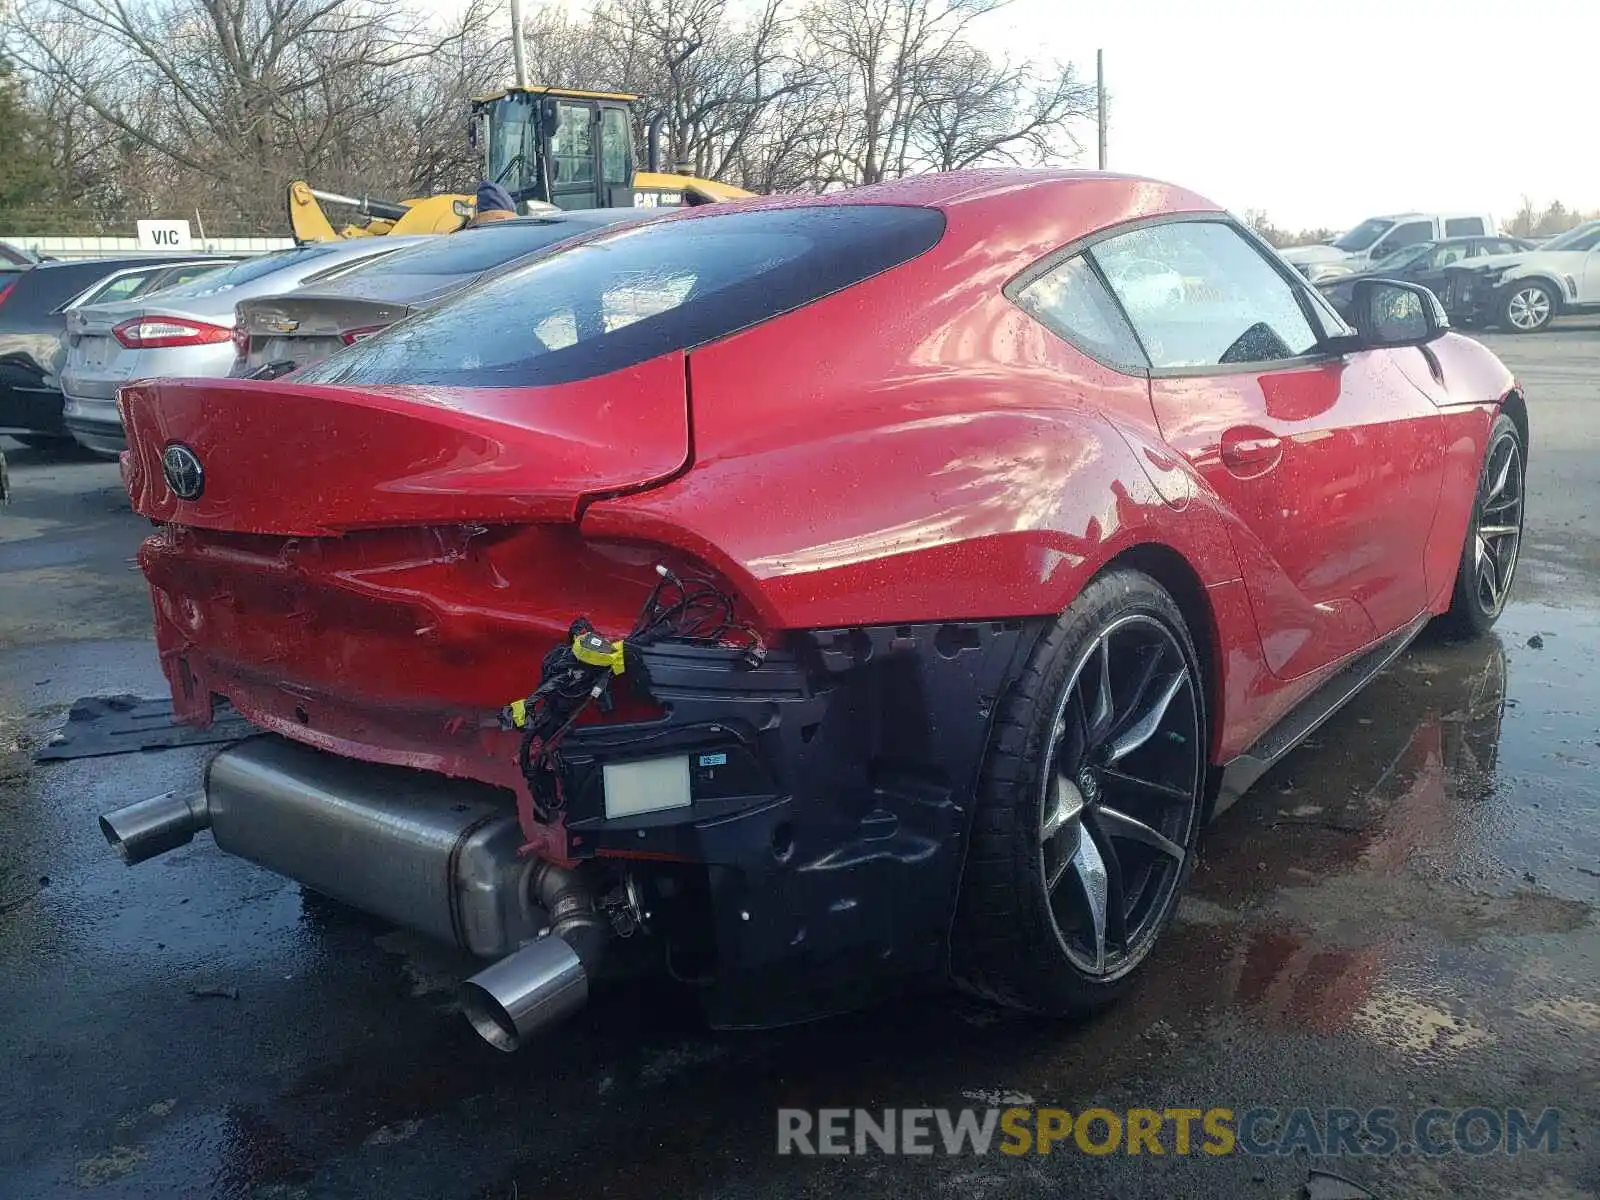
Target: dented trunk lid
(310, 460)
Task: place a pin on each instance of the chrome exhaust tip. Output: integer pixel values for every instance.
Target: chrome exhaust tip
(141, 831)
(525, 991)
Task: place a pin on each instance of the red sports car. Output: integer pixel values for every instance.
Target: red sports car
(818, 594)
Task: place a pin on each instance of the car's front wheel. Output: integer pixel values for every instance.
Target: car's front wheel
(1529, 306)
(1494, 535)
(1089, 805)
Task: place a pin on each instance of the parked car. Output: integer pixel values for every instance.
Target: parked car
(133, 282)
(304, 327)
(1524, 292)
(1424, 263)
(32, 308)
(183, 330)
(823, 592)
(1378, 237)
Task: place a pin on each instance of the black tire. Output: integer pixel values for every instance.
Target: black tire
(1476, 603)
(1529, 306)
(1012, 943)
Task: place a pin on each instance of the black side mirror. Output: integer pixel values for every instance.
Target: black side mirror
(1387, 312)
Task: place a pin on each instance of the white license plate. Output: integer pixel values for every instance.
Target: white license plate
(94, 350)
(647, 786)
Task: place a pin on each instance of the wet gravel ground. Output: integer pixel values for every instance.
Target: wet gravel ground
(1403, 914)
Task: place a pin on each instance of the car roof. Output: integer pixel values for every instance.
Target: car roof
(1441, 212)
(1008, 214)
(111, 263)
(578, 216)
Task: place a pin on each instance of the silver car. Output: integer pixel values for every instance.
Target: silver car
(180, 331)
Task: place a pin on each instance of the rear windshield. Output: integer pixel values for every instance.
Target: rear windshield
(474, 250)
(636, 294)
(245, 271)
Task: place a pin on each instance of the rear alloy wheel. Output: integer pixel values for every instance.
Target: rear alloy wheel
(1529, 306)
(1089, 807)
(1494, 537)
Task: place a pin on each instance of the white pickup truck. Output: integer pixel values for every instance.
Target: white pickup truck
(1378, 237)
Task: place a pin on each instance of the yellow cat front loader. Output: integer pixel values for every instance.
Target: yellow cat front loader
(548, 147)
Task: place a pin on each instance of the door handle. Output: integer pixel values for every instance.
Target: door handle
(1248, 450)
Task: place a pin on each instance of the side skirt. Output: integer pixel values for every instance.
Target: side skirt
(1239, 773)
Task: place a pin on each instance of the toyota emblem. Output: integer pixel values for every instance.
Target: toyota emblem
(183, 472)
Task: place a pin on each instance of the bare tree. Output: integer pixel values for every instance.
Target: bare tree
(566, 52)
(172, 105)
(436, 103)
(715, 76)
(225, 101)
(880, 56)
(973, 109)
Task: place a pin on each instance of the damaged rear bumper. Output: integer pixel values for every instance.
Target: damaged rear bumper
(806, 859)
(830, 807)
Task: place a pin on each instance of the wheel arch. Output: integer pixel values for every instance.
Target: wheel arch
(1515, 407)
(1183, 583)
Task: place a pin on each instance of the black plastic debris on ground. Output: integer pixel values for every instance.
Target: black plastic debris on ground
(99, 725)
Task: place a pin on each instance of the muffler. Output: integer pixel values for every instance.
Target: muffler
(422, 850)
(141, 831)
(437, 855)
(548, 979)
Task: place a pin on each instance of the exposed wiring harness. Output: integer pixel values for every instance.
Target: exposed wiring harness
(578, 672)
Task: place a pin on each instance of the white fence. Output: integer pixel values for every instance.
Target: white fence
(105, 247)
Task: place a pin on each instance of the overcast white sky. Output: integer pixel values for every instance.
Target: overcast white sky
(1323, 112)
(1326, 112)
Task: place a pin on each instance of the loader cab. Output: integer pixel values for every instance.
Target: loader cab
(573, 149)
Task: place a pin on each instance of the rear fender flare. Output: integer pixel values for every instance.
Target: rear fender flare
(1004, 513)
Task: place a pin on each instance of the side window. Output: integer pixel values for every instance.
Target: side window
(1464, 227)
(572, 147)
(614, 164)
(187, 275)
(1445, 255)
(120, 288)
(1071, 301)
(1401, 236)
(1200, 295)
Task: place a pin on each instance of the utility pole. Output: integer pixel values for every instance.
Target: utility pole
(1100, 99)
(517, 58)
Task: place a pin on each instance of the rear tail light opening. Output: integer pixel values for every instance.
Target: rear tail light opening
(157, 333)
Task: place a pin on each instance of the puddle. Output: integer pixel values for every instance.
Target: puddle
(1472, 764)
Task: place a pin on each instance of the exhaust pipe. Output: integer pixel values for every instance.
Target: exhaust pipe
(141, 831)
(546, 980)
(436, 855)
(525, 991)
